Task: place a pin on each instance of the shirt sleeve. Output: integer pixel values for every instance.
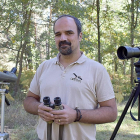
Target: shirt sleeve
(104, 88)
(35, 85)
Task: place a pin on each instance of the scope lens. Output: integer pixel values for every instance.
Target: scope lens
(124, 52)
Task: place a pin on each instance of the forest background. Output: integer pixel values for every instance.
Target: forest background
(27, 38)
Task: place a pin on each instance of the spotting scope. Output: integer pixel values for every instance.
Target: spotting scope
(8, 76)
(126, 52)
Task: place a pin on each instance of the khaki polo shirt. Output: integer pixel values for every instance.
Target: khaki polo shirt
(82, 84)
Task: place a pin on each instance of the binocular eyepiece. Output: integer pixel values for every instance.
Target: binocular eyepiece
(57, 103)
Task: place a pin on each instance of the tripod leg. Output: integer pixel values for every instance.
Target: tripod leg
(123, 114)
(2, 112)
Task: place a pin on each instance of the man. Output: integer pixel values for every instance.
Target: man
(82, 84)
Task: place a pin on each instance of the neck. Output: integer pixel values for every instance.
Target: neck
(66, 60)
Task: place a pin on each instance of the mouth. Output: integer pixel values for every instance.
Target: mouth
(65, 47)
(64, 44)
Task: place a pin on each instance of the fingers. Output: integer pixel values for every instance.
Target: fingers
(46, 116)
(66, 116)
(61, 117)
(43, 107)
(60, 121)
(44, 113)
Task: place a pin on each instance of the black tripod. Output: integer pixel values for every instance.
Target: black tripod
(133, 97)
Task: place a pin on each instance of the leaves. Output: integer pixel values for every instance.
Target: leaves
(27, 38)
(27, 76)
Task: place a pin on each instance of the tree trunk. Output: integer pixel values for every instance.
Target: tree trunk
(98, 27)
(132, 41)
(48, 42)
(124, 67)
(27, 20)
(115, 63)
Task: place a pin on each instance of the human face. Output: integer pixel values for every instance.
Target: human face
(66, 36)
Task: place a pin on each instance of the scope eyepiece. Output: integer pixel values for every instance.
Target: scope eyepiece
(14, 70)
(8, 76)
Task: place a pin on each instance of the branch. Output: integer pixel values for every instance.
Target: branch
(5, 46)
(137, 14)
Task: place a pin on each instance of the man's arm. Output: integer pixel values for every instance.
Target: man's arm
(32, 105)
(107, 112)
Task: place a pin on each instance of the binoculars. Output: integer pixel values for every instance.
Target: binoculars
(56, 106)
(57, 103)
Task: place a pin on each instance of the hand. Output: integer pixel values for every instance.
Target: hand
(44, 112)
(65, 116)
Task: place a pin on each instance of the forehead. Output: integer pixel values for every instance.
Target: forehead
(64, 24)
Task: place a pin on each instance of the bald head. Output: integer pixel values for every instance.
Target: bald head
(77, 22)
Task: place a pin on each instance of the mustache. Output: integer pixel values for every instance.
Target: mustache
(64, 43)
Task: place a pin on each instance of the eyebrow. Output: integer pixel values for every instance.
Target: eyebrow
(70, 31)
(65, 31)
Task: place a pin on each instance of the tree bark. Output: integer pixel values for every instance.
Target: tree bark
(98, 27)
(26, 34)
(132, 40)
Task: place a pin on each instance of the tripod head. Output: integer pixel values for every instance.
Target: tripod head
(137, 70)
(5, 78)
(126, 52)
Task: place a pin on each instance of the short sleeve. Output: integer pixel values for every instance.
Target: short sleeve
(34, 85)
(104, 88)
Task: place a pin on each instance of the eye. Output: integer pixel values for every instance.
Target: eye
(57, 34)
(69, 33)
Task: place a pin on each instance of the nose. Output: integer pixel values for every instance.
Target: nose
(63, 37)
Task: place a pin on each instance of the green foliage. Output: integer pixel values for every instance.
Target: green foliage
(26, 78)
(129, 129)
(21, 125)
(27, 40)
(121, 85)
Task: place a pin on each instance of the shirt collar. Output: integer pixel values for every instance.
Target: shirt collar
(81, 60)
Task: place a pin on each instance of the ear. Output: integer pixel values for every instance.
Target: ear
(80, 36)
